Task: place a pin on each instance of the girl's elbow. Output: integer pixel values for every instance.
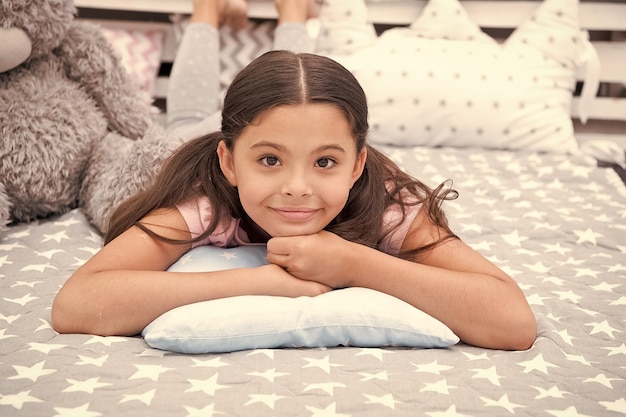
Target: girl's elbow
(68, 316)
(523, 331)
(62, 319)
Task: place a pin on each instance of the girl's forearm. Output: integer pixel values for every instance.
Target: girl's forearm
(483, 310)
(118, 302)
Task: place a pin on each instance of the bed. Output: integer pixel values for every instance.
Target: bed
(554, 221)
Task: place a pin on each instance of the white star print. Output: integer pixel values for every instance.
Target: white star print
(432, 367)
(375, 352)
(267, 399)
(536, 299)
(568, 296)
(44, 348)
(21, 301)
(490, 374)
(538, 364)
(267, 352)
(381, 376)
(556, 248)
(330, 411)
(586, 311)
(82, 411)
(5, 336)
(440, 387)
(9, 319)
(145, 398)
(619, 302)
(33, 373)
(602, 327)
(66, 223)
(207, 411)
(58, 237)
(577, 358)
(152, 353)
(450, 412)
(568, 412)
(483, 246)
(9, 247)
(554, 280)
(616, 350)
(90, 250)
(105, 340)
(619, 406)
(473, 357)
(49, 254)
(572, 261)
(208, 386)
(586, 272)
(18, 400)
(87, 386)
(552, 392)
(502, 402)
(270, 374)
(603, 380)
(4, 261)
(324, 364)
(386, 400)
(84, 360)
(605, 286)
(327, 387)
(26, 284)
(565, 336)
(587, 236)
(210, 363)
(537, 267)
(514, 239)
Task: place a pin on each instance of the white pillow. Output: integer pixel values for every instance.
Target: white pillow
(443, 82)
(348, 317)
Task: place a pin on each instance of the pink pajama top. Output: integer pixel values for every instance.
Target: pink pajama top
(197, 213)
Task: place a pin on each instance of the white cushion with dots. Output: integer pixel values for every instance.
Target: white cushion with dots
(443, 82)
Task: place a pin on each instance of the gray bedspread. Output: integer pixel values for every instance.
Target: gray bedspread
(554, 223)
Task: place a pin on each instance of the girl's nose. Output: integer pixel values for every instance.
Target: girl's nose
(297, 185)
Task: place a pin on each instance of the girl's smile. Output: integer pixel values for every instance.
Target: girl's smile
(296, 214)
(294, 168)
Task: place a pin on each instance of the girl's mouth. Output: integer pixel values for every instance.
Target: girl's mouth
(297, 214)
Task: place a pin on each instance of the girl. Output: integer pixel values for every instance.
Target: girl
(291, 168)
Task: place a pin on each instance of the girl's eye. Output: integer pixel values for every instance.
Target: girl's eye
(270, 161)
(325, 163)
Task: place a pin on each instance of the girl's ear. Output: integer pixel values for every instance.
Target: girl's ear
(359, 165)
(227, 164)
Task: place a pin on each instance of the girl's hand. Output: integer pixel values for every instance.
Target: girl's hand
(275, 280)
(317, 257)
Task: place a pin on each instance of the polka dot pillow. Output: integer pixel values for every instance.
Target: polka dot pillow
(443, 82)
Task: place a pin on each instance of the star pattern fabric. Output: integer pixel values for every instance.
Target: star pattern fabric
(560, 236)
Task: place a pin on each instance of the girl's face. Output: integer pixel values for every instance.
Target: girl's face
(294, 168)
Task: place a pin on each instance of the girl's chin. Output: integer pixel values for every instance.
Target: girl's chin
(294, 231)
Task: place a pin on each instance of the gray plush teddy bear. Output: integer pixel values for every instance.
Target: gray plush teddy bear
(74, 130)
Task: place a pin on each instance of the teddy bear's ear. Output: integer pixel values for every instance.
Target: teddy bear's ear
(16, 48)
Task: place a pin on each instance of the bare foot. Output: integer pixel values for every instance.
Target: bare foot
(297, 10)
(217, 12)
(234, 13)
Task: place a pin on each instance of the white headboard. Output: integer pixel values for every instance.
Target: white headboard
(605, 21)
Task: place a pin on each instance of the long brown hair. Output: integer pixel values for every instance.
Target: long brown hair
(274, 79)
